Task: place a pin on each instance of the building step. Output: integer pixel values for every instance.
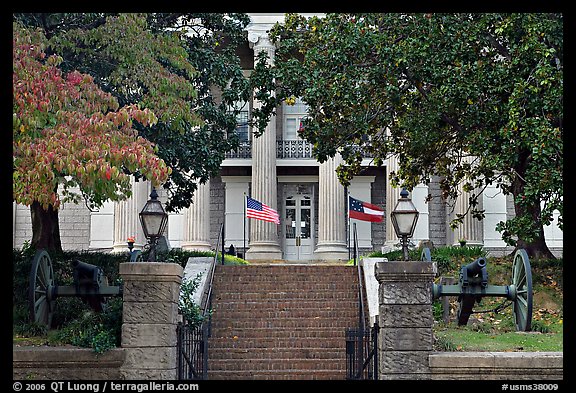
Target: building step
(277, 364)
(274, 321)
(262, 333)
(332, 313)
(284, 323)
(277, 353)
(276, 342)
(255, 295)
(277, 375)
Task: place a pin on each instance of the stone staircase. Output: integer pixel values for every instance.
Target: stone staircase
(281, 321)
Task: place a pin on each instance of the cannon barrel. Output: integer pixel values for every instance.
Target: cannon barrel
(87, 274)
(474, 268)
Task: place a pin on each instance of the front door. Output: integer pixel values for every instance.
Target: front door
(298, 223)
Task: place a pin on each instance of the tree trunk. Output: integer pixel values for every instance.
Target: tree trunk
(45, 228)
(537, 248)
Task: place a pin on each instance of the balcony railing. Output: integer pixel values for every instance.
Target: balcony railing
(243, 151)
(293, 149)
(286, 149)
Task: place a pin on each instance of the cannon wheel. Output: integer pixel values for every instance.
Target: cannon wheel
(522, 281)
(41, 285)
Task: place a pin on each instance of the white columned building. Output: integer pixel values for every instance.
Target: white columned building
(264, 242)
(279, 170)
(331, 213)
(127, 219)
(197, 220)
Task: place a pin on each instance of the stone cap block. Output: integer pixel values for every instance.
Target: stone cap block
(151, 271)
(404, 271)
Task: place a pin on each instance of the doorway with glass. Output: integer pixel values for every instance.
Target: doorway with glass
(298, 222)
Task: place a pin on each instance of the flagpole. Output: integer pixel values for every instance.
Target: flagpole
(348, 227)
(244, 234)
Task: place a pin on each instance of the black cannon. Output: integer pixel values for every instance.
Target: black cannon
(473, 286)
(90, 284)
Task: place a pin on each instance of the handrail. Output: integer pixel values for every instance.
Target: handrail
(373, 353)
(206, 298)
(362, 315)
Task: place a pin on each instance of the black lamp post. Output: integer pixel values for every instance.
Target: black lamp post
(153, 219)
(404, 218)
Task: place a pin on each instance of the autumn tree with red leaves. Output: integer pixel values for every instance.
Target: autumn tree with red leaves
(68, 134)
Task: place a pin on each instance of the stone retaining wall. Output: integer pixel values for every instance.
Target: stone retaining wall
(496, 365)
(63, 363)
(66, 363)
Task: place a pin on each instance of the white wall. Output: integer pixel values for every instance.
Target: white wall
(494, 203)
(236, 188)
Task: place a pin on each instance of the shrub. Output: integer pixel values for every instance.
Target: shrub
(191, 312)
(99, 331)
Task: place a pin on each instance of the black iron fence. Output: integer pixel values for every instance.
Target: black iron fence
(192, 351)
(361, 343)
(362, 353)
(192, 345)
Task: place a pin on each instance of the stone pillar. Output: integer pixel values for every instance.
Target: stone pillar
(405, 319)
(127, 219)
(331, 213)
(264, 242)
(150, 317)
(197, 220)
(392, 196)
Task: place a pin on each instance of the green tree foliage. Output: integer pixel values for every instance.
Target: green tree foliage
(68, 133)
(184, 67)
(476, 99)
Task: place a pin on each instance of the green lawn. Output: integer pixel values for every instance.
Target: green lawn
(466, 339)
(491, 331)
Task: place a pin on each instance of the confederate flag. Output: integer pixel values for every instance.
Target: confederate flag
(364, 211)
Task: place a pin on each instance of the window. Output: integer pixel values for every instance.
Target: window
(293, 116)
(242, 128)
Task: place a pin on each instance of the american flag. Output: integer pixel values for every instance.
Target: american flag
(260, 211)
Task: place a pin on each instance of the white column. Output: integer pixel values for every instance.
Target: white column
(197, 220)
(264, 242)
(331, 213)
(471, 228)
(127, 219)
